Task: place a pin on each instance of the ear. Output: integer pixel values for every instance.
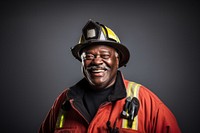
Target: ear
(117, 58)
(118, 62)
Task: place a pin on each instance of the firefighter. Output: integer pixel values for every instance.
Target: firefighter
(104, 101)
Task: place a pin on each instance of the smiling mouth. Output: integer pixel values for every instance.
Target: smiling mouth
(97, 72)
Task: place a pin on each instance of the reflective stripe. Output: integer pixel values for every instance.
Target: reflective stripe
(60, 119)
(129, 91)
(132, 91)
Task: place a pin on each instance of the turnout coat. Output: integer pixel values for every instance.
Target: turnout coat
(68, 114)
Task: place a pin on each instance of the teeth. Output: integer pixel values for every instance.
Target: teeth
(97, 71)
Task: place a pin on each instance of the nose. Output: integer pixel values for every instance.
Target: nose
(97, 61)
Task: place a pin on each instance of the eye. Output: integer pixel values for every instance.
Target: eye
(105, 56)
(89, 56)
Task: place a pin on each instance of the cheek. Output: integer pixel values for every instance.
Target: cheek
(113, 63)
(83, 66)
(85, 63)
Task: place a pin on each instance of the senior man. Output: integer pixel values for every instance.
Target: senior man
(103, 101)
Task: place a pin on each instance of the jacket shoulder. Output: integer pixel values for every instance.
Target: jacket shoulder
(143, 91)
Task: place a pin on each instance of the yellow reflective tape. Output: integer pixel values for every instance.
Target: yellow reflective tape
(111, 34)
(61, 121)
(136, 90)
(135, 94)
(133, 90)
(124, 123)
(130, 84)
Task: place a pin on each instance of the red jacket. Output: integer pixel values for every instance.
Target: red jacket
(68, 116)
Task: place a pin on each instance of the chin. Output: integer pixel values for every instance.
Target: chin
(98, 85)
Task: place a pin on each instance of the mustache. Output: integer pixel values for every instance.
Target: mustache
(104, 67)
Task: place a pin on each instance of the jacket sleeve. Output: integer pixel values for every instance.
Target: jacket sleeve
(164, 121)
(156, 115)
(48, 125)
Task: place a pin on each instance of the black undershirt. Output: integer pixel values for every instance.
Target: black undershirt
(94, 98)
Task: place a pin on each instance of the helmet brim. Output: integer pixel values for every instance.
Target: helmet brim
(121, 49)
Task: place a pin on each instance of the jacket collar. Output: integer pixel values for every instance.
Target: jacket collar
(77, 91)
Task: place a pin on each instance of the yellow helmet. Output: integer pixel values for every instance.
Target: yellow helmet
(94, 33)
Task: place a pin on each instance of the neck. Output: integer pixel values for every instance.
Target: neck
(96, 87)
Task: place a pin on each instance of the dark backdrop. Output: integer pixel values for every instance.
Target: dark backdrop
(36, 63)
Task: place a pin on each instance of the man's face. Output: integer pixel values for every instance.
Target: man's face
(99, 65)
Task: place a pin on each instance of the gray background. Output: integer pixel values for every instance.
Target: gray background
(36, 63)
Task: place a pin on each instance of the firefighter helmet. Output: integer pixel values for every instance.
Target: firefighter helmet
(94, 33)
